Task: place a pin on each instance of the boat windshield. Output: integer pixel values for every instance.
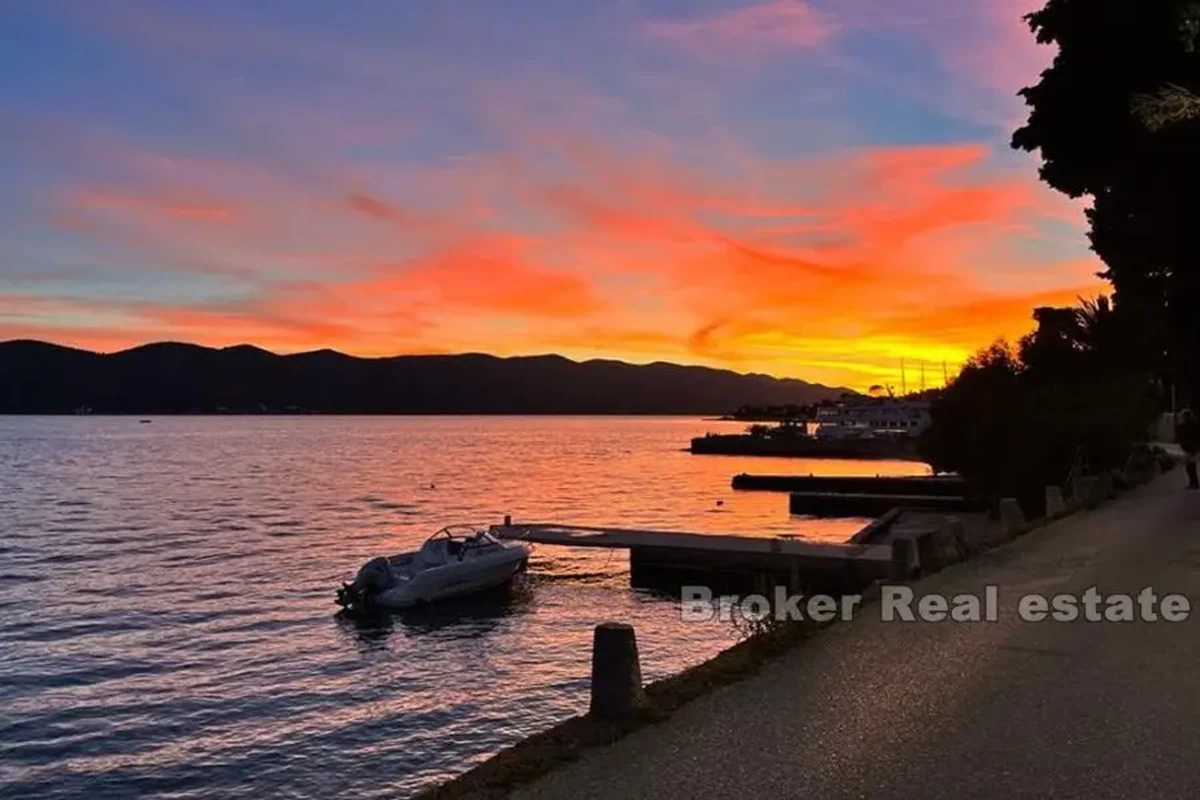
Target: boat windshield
(464, 533)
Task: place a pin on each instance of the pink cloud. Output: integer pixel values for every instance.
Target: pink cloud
(181, 207)
(790, 24)
(984, 48)
(999, 52)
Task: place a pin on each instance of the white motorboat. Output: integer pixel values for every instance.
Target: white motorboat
(455, 561)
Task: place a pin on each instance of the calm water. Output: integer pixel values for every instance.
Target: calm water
(166, 618)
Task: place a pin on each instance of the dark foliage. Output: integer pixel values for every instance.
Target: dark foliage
(1113, 55)
(170, 378)
(1071, 397)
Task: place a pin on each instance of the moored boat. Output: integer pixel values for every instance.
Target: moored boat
(879, 428)
(457, 560)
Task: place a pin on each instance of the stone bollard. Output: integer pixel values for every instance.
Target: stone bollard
(616, 672)
(1055, 504)
(902, 558)
(1012, 519)
(1087, 491)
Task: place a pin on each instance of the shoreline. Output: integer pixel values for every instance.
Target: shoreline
(541, 753)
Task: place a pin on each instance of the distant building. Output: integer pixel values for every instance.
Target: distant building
(875, 414)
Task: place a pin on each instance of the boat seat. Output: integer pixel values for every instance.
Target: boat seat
(430, 558)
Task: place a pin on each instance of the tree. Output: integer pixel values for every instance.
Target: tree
(1016, 420)
(1112, 120)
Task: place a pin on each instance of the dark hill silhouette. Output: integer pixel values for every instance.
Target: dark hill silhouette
(173, 378)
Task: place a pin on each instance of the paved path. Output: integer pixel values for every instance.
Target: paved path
(953, 710)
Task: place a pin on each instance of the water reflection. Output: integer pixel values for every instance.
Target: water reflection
(470, 617)
(168, 592)
(370, 630)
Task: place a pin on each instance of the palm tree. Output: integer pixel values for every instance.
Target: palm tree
(1173, 103)
(1168, 106)
(1093, 319)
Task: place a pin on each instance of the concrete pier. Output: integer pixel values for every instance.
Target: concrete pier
(737, 444)
(664, 558)
(919, 485)
(839, 504)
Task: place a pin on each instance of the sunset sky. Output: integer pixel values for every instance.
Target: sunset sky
(812, 189)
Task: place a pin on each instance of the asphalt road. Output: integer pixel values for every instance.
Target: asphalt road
(1005, 709)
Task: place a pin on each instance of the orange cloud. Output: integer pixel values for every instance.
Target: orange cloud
(833, 267)
(907, 224)
(493, 274)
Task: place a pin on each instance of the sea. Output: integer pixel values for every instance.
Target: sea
(167, 617)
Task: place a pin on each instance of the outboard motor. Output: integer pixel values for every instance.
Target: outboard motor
(373, 577)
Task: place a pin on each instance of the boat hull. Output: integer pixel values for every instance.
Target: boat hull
(452, 580)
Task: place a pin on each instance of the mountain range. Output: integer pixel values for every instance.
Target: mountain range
(174, 378)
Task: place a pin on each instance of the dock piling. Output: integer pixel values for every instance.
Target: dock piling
(616, 672)
(928, 558)
(902, 558)
(953, 538)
